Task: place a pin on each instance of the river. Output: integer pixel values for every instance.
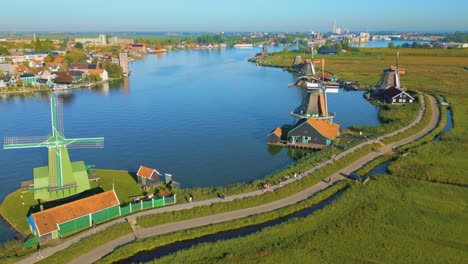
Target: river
(202, 116)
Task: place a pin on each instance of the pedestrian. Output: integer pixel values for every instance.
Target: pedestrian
(222, 196)
(329, 180)
(190, 199)
(39, 255)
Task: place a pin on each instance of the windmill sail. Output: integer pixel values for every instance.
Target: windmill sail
(61, 178)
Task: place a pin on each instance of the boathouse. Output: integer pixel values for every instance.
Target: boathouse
(394, 95)
(147, 176)
(275, 135)
(314, 131)
(71, 217)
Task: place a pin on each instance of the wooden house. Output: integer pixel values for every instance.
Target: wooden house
(147, 176)
(74, 216)
(393, 95)
(275, 135)
(314, 131)
(27, 78)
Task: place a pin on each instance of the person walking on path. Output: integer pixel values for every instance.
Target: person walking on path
(190, 199)
(39, 255)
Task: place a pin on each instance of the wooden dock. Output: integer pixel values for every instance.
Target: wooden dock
(286, 144)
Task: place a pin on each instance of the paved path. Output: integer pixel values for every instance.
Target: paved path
(105, 249)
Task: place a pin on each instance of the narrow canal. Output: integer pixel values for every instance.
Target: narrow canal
(150, 255)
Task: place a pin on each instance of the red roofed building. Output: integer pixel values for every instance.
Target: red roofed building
(314, 131)
(74, 216)
(147, 176)
(101, 72)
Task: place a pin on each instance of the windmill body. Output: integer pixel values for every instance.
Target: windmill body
(314, 102)
(61, 178)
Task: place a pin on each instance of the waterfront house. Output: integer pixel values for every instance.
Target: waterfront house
(77, 75)
(74, 216)
(28, 79)
(78, 66)
(7, 80)
(275, 135)
(395, 95)
(101, 72)
(147, 176)
(45, 82)
(314, 131)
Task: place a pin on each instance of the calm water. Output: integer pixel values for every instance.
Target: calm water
(384, 43)
(201, 115)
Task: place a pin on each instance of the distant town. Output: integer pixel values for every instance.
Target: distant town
(34, 62)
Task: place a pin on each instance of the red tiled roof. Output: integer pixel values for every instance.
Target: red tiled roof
(146, 172)
(325, 127)
(48, 220)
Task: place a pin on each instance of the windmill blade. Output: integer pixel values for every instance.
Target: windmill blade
(26, 142)
(59, 116)
(84, 143)
(56, 110)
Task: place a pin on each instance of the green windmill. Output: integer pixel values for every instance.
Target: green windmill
(61, 178)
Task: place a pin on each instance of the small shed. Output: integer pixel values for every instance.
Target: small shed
(74, 216)
(314, 131)
(393, 95)
(275, 135)
(147, 176)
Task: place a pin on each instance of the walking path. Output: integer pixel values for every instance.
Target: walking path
(107, 248)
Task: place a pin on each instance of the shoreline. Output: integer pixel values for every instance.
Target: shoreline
(73, 87)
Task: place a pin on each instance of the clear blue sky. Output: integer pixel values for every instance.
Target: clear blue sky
(233, 15)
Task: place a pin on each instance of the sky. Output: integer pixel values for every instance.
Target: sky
(233, 15)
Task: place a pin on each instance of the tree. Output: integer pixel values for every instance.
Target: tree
(63, 77)
(49, 58)
(3, 51)
(19, 82)
(114, 70)
(94, 78)
(78, 45)
(391, 45)
(74, 56)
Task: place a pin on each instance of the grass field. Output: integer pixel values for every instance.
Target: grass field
(389, 220)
